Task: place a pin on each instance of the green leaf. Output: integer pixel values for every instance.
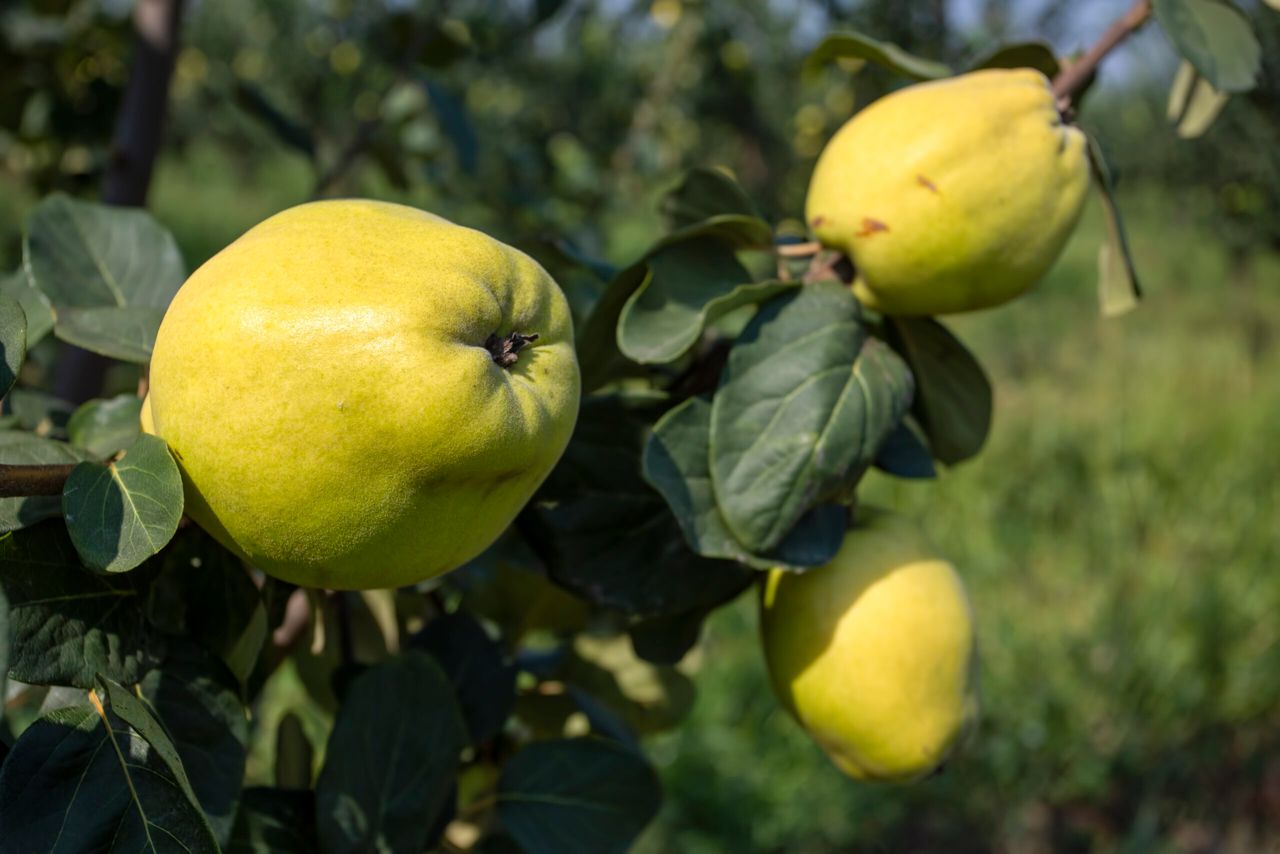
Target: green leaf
(1118, 288)
(17, 285)
(13, 342)
(953, 400)
(804, 403)
(853, 45)
(597, 344)
(204, 592)
(904, 455)
(484, 682)
(40, 412)
(274, 821)
(692, 283)
(18, 447)
(604, 453)
(1193, 103)
(102, 776)
(127, 333)
(121, 513)
(391, 759)
(69, 624)
(666, 640)
(198, 701)
(577, 795)
(626, 552)
(108, 272)
(1215, 37)
(677, 464)
(1037, 55)
(103, 427)
(704, 194)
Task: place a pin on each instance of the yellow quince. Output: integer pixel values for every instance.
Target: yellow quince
(874, 653)
(361, 394)
(952, 195)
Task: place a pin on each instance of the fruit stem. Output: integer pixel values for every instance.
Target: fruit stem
(506, 351)
(22, 481)
(1071, 80)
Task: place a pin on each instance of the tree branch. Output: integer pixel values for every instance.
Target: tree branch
(22, 481)
(1072, 78)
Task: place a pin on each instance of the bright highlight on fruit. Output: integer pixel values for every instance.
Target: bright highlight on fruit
(874, 652)
(952, 195)
(361, 394)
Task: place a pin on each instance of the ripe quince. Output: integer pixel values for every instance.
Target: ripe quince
(952, 195)
(874, 652)
(361, 394)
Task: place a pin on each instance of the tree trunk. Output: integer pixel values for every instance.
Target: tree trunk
(157, 24)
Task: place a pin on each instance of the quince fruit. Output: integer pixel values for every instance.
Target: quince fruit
(951, 195)
(361, 394)
(874, 653)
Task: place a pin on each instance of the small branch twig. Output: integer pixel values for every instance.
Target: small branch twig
(22, 481)
(798, 250)
(1072, 78)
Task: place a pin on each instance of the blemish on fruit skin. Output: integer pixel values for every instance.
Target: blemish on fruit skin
(869, 227)
(927, 184)
(817, 221)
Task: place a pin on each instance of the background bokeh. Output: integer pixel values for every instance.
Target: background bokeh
(1120, 535)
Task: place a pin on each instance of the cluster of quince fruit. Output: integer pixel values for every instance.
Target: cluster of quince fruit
(947, 196)
(352, 419)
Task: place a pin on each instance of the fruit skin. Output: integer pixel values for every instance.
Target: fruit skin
(874, 652)
(325, 387)
(951, 195)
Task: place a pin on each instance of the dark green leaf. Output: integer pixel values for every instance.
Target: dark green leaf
(577, 795)
(109, 273)
(455, 121)
(205, 593)
(103, 427)
(627, 552)
(703, 194)
(41, 412)
(391, 759)
(905, 455)
(953, 397)
(604, 453)
(291, 132)
(127, 333)
(84, 254)
(666, 640)
(198, 701)
(1215, 37)
(692, 283)
(804, 404)
(101, 776)
(67, 623)
(1037, 55)
(483, 680)
(274, 821)
(1118, 288)
(597, 342)
(13, 342)
(121, 513)
(295, 756)
(19, 447)
(677, 464)
(852, 45)
(17, 285)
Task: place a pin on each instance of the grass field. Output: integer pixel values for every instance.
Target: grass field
(1120, 537)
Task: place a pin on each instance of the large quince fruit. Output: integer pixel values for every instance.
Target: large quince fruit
(952, 195)
(361, 394)
(874, 653)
